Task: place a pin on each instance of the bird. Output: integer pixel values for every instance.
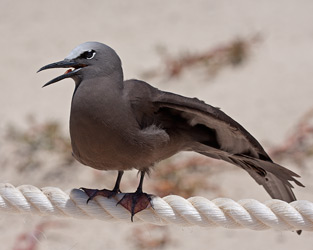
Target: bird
(118, 124)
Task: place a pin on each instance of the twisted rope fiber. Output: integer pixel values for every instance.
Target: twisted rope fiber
(172, 209)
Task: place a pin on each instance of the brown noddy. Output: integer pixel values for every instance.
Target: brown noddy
(121, 125)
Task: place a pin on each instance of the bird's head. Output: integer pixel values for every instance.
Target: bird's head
(90, 59)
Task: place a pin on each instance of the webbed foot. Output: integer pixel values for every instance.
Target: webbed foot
(92, 193)
(135, 202)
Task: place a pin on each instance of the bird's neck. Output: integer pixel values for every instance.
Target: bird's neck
(116, 76)
(95, 100)
(99, 90)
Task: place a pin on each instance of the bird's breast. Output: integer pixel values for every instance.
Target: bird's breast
(103, 134)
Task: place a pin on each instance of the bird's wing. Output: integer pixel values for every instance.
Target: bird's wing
(234, 143)
(231, 136)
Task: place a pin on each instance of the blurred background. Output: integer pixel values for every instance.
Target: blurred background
(253, 59)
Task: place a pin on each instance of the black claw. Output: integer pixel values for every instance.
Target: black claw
(92, 195)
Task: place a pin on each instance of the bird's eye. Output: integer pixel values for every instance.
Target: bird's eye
(88, 54)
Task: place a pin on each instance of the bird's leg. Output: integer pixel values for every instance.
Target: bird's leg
(116, 188)
(105, 192)
(138, 201)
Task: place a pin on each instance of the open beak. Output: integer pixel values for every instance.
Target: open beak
(63, 64)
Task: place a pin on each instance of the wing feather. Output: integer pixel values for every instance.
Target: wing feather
(236, 144)
(231, 136)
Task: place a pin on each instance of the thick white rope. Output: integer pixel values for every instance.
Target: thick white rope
(172, 209)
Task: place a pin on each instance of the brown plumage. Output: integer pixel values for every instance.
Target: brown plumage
(121, 125)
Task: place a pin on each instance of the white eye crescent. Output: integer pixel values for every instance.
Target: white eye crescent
(88, 54)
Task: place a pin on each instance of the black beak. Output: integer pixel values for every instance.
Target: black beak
(63, 64)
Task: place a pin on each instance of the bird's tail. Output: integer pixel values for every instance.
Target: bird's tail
(273, 177)
(276, 179)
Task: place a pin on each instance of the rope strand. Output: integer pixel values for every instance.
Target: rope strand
(172, 209)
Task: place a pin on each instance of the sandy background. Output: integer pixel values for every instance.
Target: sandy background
(267, 94)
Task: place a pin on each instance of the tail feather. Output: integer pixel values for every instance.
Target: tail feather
(276, 181)
(275, 178)
(274, 187)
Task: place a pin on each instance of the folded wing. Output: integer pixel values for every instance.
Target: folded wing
(234, 143)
